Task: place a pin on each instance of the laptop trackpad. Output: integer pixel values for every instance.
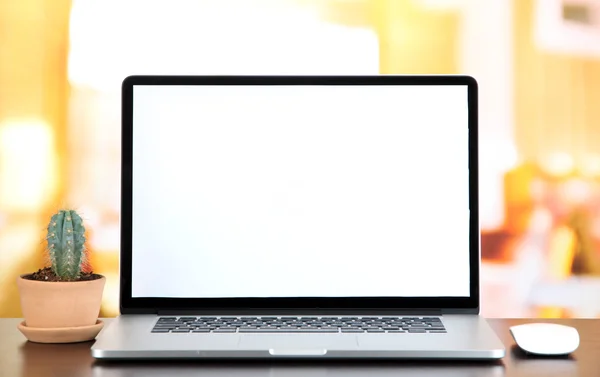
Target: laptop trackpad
(297, 344)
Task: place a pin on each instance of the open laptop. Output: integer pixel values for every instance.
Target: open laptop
(299, 217)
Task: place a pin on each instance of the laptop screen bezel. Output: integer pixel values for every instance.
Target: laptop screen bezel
(151, 305)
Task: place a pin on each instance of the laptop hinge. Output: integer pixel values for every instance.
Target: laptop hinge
(415, 312)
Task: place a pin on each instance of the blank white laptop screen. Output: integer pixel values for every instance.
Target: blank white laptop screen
(300, 191)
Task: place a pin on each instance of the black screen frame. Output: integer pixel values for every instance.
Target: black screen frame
(152, 305)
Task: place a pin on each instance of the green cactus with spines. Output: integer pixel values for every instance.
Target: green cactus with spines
(66, 244)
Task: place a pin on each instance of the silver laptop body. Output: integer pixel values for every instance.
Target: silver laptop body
(299, 217)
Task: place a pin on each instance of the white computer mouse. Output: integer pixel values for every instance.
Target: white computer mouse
(545, 339)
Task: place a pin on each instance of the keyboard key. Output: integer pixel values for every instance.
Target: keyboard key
(417, 331)
(155, 330)
(321, 330)
(230, 330)
(180, 331)
(352, 330)
(201, 330)
(438, 331)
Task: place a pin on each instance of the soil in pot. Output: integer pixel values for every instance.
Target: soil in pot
(46, 274)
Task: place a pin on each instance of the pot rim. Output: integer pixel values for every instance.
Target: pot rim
(21, 277)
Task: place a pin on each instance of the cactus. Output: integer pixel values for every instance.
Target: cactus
(66, 244)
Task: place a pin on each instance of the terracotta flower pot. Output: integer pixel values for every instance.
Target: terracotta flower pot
(60, 304)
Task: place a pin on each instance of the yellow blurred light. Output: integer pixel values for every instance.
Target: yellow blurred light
(561, 253)
(558, 164)
(27, 164)
(110, 299)
(443, 5)
(590, 166)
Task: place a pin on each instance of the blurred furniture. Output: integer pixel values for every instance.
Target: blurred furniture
(21, 358)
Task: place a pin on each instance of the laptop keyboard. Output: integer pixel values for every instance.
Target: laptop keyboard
(416, 325)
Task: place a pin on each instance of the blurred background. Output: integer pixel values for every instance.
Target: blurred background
(537, 63)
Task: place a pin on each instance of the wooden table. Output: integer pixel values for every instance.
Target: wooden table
(21, 358)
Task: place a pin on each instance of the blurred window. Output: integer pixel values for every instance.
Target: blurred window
(112, 39)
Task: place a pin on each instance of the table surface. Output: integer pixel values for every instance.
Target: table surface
(19, 357)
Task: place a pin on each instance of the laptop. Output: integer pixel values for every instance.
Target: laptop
(285, 217)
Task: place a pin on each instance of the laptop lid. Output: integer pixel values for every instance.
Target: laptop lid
(301, 194)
